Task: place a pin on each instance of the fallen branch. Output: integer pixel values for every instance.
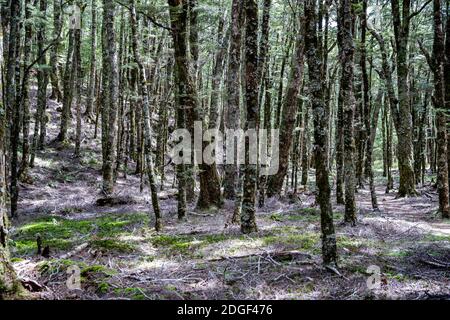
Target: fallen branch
(75, 251)
(276, 256)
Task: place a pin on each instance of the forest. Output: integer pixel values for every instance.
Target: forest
(224, 150)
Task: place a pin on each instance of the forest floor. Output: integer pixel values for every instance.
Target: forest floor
(120, 256)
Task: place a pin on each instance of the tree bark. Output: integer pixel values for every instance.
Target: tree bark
(289, 116)
(111, 104)
(248, 219)
(91, 85)
(404, 119)
(347, 50)
(232, 104)
(329, 251)
(147, 126)
(439, 103)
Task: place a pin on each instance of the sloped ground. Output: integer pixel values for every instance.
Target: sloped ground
(119, 256)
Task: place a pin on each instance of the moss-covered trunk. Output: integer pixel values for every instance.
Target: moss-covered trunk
(329, 251)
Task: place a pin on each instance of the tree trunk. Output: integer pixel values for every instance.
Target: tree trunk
(232, 104)
(91, 85)
(289, 116)
(8, 279)
(404, 119)
(77, 87)
(347, 50)
(13, 98)
(24, 96)
(439, 103)
(111, 104)
(186, 95)
(248, 220)
(67, 90)
(329, 251)
(147, 127)
(57, 24)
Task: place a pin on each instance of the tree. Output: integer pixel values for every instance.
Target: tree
(54, 75)
(110, 105)
(288, 116)
(9, 284)
(347, 98)
(438, 65)
(402, 113)
(232, 103)
(329, 251)
(92, 69)
(12, 100)
(186, 94)
(146, 112)
(248, 221)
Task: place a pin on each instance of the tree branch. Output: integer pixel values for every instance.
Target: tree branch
(415, 13)
(152, 20)
(426, 54)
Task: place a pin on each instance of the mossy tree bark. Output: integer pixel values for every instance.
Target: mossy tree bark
(437, 64)
(404, 118)
(9, 284)
(91, 86)
(110, 105)
(347, 50)
(232, 100)
(248, 219)
(329, 250)
(146, 112)
(186, 93)
(289, 116)
(57, 23)
(13, 76)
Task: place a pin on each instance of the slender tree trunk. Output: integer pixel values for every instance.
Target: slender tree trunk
(57, 24)
(404, 119)
(13, 98)
(67, 90)
(111, 104)
(370, 146)
(248, 219)
(347, 49)
(8, 278)
(91, 85)
(288, 118)
(24, 96)
(329, 251)
(232, 105)
(77, 88)
(186, 95)
(147, 127)
(439, 103)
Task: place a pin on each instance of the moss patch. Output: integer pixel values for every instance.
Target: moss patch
(62, 234)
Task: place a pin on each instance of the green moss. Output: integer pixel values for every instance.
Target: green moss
(62, 233)
(112, 245)
(188, 245)
(135, 293)
(353, 244)
(437, 238)
(398, 253)
(396, 276)
(103, 288)
(58, 265)
(301, 241)
(97, 269)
